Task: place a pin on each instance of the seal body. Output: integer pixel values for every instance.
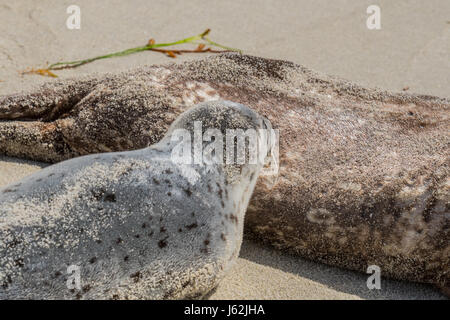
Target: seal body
(363, 176)
(134, 224)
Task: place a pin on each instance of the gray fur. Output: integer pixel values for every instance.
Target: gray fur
(138, 225)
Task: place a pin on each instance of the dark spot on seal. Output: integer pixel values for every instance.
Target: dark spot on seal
(126, 258)
(209, 188)
(188, 192)
(220, 191)
(223, 237)
(19, 262)
(13, 243)
(110, 197)
(57, 274)
(162, 243)
(98, 194)
(193, 213)
(86, 288)
(191, 226)
(137, 236)
(136, 276)
(93, 260)
(162, 229)
(180, 230)
(206, 242)
(169, 194)
(98, 241)
(7, 282)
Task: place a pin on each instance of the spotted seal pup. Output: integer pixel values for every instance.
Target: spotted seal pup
(363, 176)
(136, 224)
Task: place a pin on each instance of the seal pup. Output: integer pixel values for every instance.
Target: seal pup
(136, 224)
(364, 173)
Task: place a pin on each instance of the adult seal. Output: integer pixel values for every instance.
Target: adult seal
(364, 174)
(134, 225)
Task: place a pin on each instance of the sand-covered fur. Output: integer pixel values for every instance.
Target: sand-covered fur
(364, 176)
(138, 225)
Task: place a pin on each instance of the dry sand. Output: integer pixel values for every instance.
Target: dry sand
(411, 50)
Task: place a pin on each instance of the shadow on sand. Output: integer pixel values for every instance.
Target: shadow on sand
(350, 282)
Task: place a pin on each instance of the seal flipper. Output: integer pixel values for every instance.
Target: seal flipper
(35, 140)
(46, 103)
(29, 122)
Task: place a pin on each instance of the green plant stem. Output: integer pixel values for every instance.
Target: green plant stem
(73, 64)
(212, 43)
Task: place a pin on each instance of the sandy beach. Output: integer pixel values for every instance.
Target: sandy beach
(410, 53)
